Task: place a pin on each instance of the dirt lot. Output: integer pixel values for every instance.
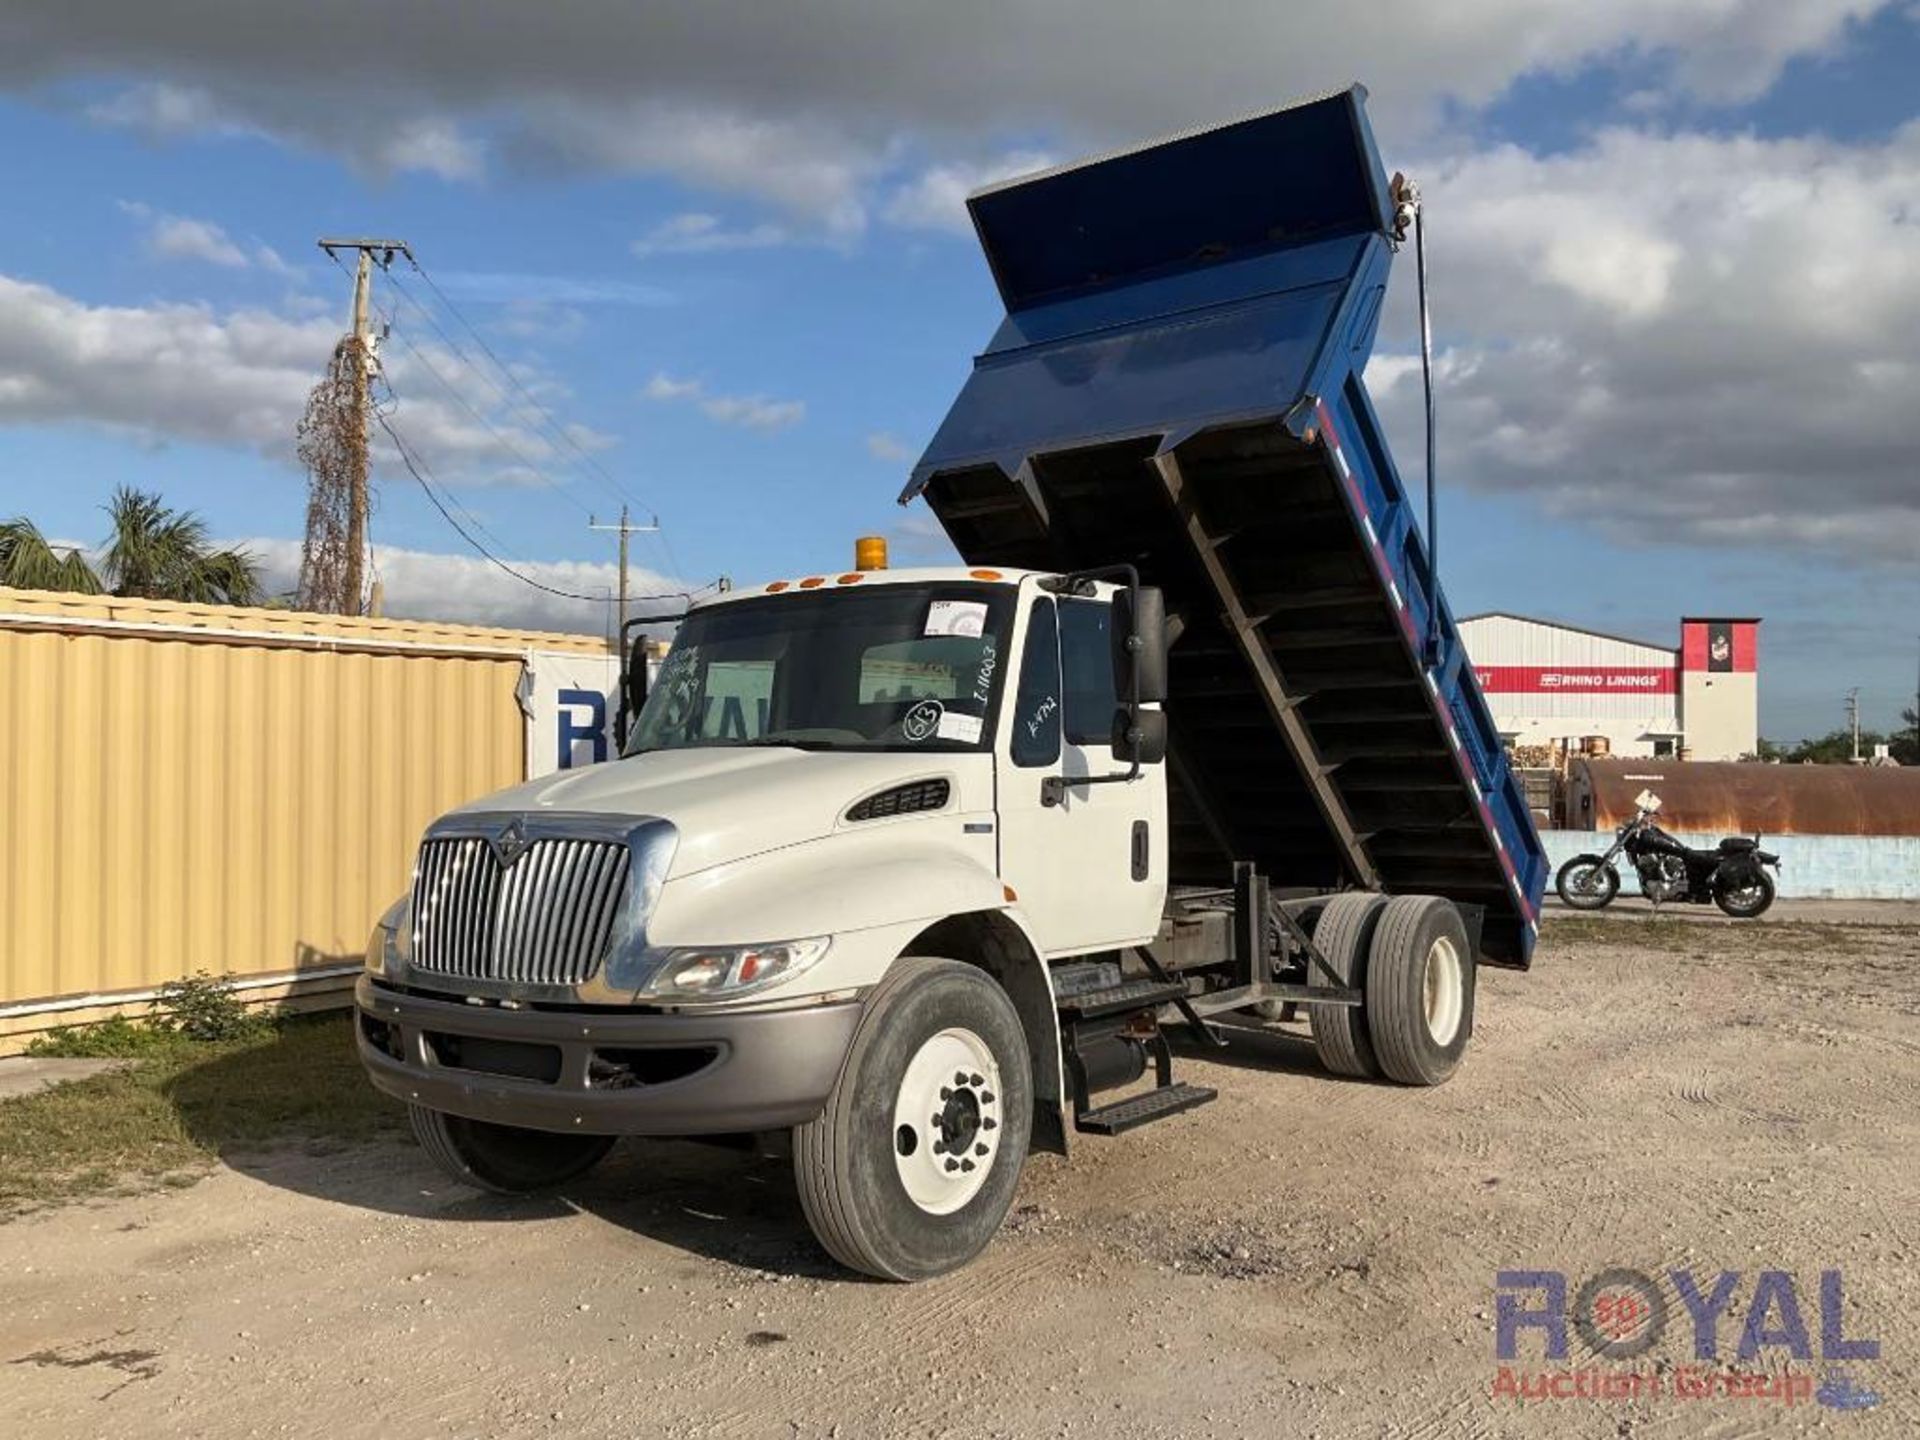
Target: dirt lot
(1304, 1257)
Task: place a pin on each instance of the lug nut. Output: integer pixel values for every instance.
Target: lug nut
(980, 1150)
(987, 1122)
(959, 1077)
(966, 1164)
(953, 1164)
(978, 1079)
(946, 1093)
(938, 1148)
(986, 1097)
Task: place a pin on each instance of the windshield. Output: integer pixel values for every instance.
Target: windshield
(896, 667)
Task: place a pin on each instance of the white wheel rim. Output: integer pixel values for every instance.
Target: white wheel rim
(1445, 991)
(947, 1121)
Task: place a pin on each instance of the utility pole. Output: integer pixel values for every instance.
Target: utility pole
(1853, 720)
(624, 529)
(366, 358)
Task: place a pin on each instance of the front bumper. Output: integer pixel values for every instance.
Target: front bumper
(594, 1072)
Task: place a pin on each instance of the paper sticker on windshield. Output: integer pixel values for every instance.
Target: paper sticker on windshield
(923, 722)
(957, 617)
(955, 726)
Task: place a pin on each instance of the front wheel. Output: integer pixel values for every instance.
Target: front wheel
(912, 1165)
(1587, 882)
(505, 1159)
(1747, 899)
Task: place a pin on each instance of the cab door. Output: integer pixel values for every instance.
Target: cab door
(1087, 862)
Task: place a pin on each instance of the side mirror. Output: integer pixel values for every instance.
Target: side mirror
(1140, 739)
(633, 679)
(1140, 644)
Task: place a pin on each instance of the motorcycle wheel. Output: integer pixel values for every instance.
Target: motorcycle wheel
(1585, 883)
(1744, 902)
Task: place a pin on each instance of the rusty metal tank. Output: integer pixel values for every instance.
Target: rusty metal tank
(1733, 798)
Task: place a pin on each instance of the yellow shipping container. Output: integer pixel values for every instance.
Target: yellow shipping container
(201, 787)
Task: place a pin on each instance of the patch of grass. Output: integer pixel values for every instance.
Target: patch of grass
(116, 1038)
(169, 1116)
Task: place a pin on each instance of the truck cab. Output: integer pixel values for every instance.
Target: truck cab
(928, 867)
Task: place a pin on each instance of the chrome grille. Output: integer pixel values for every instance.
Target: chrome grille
(546, 919)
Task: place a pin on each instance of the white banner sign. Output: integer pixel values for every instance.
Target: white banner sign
(570, 701)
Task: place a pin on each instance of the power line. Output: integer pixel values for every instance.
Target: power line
(555, 430)
(408, 458)
(505, 442)
(592, 463)
(618, 490)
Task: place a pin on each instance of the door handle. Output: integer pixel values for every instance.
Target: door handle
(1142, 853)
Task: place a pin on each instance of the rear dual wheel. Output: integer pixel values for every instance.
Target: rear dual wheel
(1410, 959)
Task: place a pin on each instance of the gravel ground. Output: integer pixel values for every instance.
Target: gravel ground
(1306, 1256)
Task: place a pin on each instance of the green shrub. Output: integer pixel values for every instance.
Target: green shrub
(203, 1007)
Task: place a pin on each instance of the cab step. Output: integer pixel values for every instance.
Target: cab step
(1120, 999)
(1142, 1109)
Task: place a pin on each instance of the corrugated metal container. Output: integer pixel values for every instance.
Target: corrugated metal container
(1729, 798)
(234, 790)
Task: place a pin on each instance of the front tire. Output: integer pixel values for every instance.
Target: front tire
(1420, 983)
(1587, 882)
(1746, 902)
(913, 1163)
(504, 1159)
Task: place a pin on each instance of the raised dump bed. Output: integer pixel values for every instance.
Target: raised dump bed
(1177, 384)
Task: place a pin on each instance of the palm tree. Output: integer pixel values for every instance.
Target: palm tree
(158, 553)
(28, 562)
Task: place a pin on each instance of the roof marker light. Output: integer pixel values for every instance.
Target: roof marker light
(852, 577)
(984, 574)
(777, 586)
(813, 582)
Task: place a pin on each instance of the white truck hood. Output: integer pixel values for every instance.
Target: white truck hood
(728, 804)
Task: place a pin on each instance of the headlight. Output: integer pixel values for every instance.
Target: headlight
(724, 971)
(391, 944)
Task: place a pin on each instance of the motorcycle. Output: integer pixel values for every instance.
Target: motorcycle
(1732, 876)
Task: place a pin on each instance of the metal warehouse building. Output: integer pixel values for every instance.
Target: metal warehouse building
(1549, 684)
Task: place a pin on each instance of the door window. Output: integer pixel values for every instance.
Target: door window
(1036, 705)
(1086, 658)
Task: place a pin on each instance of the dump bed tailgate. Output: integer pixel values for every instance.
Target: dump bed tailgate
(1177, 385)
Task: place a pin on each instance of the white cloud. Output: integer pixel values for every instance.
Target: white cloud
(935, 199)
(884, 445)
(807, 106)
(432, 146)
(1678, 337)
(241, 378)
(541, 320)
(468, 588)
(751, 412)
(181, 237)
(696, 233)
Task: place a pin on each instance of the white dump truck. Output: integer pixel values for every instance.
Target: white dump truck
(928, 867)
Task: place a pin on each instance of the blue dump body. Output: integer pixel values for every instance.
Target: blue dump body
(1177, 385)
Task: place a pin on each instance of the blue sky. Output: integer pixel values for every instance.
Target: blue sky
(1677, 288)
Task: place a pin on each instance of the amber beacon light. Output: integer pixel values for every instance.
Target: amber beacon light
(870, 552)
